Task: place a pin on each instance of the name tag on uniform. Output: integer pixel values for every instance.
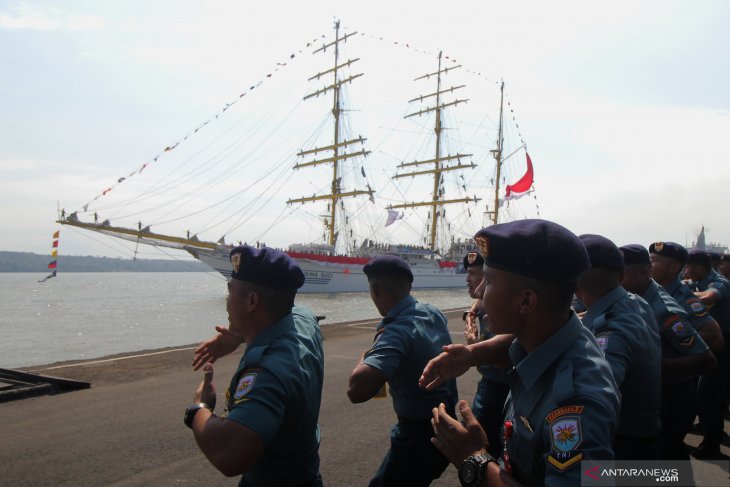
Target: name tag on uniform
(382, 392)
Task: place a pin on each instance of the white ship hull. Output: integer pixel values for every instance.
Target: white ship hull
(326, 277)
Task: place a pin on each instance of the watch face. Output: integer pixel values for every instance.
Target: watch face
(467, 473)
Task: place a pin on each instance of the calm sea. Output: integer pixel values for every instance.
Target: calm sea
(79, 316)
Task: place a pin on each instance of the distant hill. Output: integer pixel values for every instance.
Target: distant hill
(29, 262)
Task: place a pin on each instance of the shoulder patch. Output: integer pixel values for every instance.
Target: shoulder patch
(563, 411)
(671, 320)
(563, 460)
(565, 434)
(679, 329)
(602, 342)
(697, 308)
(245, 384)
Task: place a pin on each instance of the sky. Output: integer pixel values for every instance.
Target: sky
(624, 105)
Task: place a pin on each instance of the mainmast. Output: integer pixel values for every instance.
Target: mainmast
(437, 198)
(338, 147)
(497, 153)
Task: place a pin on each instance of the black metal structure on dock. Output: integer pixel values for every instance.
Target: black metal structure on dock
(16, 384)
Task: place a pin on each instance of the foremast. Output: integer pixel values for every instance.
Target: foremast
(338, 147)
(438, 200)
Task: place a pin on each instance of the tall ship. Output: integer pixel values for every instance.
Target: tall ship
(418, 193)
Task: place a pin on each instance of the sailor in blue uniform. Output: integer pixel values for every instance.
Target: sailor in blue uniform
(564, 403)
(725, 265)
(270, 433)
(684, 354)
(713, 291)
(667, 262)
(410, 335)
(492, 390)
(627, 332)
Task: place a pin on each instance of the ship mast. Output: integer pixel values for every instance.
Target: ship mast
(497, 153)
(338, 147)
(437, 198)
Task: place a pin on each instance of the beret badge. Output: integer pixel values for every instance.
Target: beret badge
(471, 257)
(236, 262)
(483, 246)
(658, 246)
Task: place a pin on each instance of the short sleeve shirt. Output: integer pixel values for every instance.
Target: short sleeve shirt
(276, 393)
(410, 335)
(720, 310)
(563, 407)
(490, 373)
(679, 338)
(627, 332)
(695, 309)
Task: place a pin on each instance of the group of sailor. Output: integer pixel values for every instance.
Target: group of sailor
(587, 351)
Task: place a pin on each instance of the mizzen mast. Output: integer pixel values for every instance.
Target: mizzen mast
(339, 147)
(438, 199)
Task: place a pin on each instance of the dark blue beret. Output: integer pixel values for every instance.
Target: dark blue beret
(266, 267)
(697, 256)
(533, 248)
(715, 256)
(670, 250)
(602, 253)
(388, 266)
(635, 254)
(473, 259)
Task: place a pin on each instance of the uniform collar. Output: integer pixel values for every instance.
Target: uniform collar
(601, 306)
(529, 367)
(712, 276)
(272, 332)
(676, 284)
(397, 309)
(650, 291)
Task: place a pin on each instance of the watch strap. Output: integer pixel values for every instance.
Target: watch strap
(191, 411)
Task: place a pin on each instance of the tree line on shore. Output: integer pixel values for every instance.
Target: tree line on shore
(30, 262)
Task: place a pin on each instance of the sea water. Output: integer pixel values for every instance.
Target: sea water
(77, 316)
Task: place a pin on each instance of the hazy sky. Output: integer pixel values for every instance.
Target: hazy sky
(625, 105)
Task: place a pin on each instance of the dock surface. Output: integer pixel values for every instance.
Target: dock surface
(127, 429)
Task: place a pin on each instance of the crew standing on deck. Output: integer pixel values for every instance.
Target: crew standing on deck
(684, 354)
(628, 334)
(564, 402)
(270, 434)
(488, 405)
(713, 291)
(410, 334)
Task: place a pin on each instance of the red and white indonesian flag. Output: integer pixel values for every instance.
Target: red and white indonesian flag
(521, 187)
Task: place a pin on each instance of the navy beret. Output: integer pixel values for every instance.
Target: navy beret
(388, 266)
(266, 267)
(473, 259)
(697, 256)
(715, 256)
(533, 248)
(602, 253)
(670, 250)
(635, 254)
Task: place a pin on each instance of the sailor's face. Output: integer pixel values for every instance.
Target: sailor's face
(236, 305)
(661, 268)
(474, 276)
(500, 301)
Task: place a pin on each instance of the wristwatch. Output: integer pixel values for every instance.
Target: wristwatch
(192, 410)
(472, 470)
